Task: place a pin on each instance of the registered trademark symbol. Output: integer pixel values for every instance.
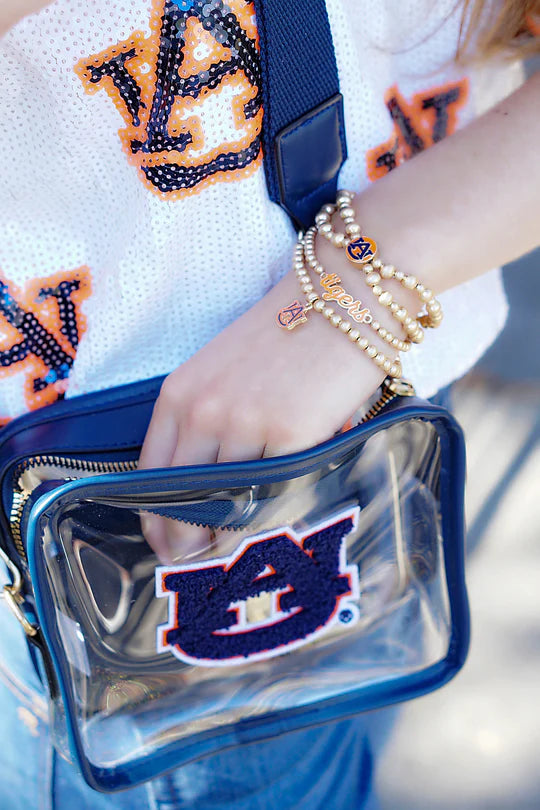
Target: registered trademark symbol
(346, 616)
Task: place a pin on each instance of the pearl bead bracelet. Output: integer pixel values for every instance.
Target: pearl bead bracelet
(289, 317)
(312, 261)
(362, 251)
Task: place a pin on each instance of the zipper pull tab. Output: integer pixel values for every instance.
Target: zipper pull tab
(402, 388)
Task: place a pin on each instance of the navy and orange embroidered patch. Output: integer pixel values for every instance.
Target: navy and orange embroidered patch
(277, 592)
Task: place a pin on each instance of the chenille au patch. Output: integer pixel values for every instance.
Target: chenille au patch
(189, 94)
(277, 592)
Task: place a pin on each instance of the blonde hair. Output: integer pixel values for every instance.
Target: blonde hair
(513, 32)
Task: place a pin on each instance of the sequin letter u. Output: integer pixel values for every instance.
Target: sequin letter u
(189, 94)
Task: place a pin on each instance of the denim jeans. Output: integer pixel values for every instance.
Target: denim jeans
(326, 767)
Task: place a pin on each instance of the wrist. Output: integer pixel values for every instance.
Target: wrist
(395, 306)
(335, 262)
(317, 338)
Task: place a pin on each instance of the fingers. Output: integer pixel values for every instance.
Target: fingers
(196, 442)
(173, 540)
(288, 438)
(231, 450)
(185, 540)
(160, 441)
(154, 530)
(182, 540)
(195, 449)
(203, 419)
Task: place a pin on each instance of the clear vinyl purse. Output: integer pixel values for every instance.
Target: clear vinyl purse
(331, 581)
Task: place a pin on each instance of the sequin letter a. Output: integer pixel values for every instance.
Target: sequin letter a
(40, 330)
(417, 124)
(189, 94)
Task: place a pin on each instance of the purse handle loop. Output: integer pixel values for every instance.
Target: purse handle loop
(303, 127)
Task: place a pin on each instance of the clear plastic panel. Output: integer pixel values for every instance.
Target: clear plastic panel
(325, 583)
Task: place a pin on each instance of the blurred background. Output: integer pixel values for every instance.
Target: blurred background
(475, 744)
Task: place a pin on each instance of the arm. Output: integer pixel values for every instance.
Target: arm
(469, 203)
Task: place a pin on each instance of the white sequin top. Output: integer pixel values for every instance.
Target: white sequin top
(134, 218)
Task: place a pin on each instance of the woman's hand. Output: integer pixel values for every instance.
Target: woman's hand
(257, 390)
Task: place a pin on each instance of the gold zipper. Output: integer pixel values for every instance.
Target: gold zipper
(390, 390)
(58, 464)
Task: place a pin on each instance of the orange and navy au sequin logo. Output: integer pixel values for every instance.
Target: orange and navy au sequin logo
(40, 330)
(417, 124)
(189, 94)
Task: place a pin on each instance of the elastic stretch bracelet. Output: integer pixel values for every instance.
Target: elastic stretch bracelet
(359, 311)
(386, 299)
(296, 313)
(362, 250)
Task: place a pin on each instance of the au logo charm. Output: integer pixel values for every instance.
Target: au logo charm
(361, 250)
(292, 315)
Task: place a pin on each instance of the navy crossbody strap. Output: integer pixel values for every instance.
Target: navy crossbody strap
(303, 128)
